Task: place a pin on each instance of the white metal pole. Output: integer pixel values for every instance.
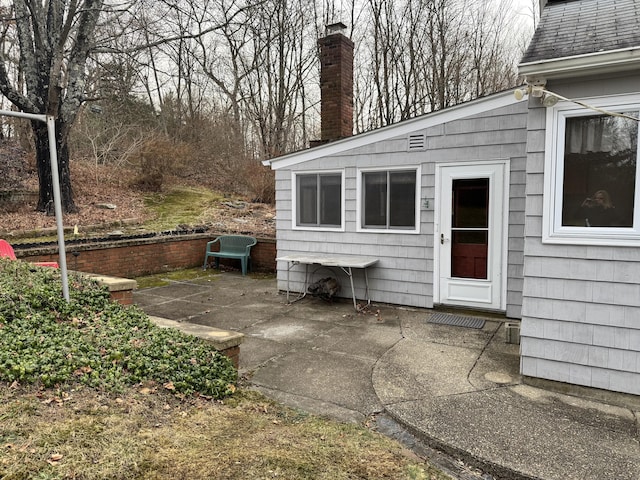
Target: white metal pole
(53, 159)
(57, 203)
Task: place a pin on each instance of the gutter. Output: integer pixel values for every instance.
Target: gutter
(599, 62)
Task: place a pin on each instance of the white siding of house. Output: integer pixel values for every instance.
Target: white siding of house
(404, 274)
(581, 304)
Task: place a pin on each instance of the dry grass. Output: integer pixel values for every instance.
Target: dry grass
(136, 211)
(93, 185)
(144, 434)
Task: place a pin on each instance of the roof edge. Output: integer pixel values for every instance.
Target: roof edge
(456, 112)
(610, 61)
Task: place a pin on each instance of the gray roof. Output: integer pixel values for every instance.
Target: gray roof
(578, 27)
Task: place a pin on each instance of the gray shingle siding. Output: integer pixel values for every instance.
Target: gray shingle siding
(581, 27)
(405, 271)
(581, 303)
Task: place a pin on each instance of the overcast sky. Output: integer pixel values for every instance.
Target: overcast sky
(523, 8)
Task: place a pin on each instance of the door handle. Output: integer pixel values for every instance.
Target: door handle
(442, 239)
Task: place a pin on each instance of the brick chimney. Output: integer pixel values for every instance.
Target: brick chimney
(336, 84)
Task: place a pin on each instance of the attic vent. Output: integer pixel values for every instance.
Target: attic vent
(417, 141)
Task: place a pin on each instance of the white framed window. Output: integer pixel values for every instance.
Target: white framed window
(592, 191)
(389, 200)
(318, 201)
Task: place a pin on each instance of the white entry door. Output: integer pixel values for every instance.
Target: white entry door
(470, 235)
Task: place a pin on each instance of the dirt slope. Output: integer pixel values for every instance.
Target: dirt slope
(96, 188)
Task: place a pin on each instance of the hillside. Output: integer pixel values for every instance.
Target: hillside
(99, 188)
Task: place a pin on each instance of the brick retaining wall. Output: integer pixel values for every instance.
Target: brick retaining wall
(138, 257)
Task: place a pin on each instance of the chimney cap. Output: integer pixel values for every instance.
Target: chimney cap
(334, 28)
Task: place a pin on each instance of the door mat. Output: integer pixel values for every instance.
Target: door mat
(456, 320)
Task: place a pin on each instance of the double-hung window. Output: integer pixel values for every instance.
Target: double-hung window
(591, 174)
(318, 200)
(389, 200)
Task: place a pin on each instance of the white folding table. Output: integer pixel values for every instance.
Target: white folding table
(344, 262)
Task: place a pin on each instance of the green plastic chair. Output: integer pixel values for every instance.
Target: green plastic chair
(231, 246)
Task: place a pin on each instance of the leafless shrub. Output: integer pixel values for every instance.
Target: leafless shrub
(260, 182)
(157, 158)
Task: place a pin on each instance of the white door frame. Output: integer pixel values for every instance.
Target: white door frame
(502, 201)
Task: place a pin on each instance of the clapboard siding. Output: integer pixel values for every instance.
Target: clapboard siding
(405, 271)
(581, 304)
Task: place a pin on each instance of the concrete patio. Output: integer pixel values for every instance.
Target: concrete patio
(457, 389)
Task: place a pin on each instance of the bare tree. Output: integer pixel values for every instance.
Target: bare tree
(416, 56)
(224, 61)
(492, 61)
(250, 65)
(261, 63)
(54, 39)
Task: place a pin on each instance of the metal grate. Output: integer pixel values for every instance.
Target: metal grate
(456, 320)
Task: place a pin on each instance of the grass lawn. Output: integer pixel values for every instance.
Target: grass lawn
(93, 390)
(148, 433)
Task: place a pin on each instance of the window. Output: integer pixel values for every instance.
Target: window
(592, 180)
(389, 200)
(319, 200)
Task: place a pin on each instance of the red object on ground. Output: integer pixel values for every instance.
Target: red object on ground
(6, 250)
(47, 264)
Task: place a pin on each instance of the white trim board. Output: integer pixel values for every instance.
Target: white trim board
(439, 117)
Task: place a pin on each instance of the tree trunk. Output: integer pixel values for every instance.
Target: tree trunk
(43, 162)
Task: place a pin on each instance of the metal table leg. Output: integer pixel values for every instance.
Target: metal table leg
(288, 269)
(366, 283)
(349, 273)
(290, 265)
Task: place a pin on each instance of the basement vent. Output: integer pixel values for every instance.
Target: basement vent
(417, 142)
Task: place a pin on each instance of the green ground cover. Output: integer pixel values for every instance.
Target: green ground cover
(92, 390)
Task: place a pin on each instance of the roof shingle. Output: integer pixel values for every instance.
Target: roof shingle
(578, 27)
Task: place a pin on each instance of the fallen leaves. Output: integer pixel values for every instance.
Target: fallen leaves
(225, 217)
(82, 371)
(25, 448)
(55, 458)
(56, 400)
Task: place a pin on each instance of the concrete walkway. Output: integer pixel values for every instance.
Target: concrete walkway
(455, 388)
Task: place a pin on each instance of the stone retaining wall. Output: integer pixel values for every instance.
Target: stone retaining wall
(120, 289)
(226, 342)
